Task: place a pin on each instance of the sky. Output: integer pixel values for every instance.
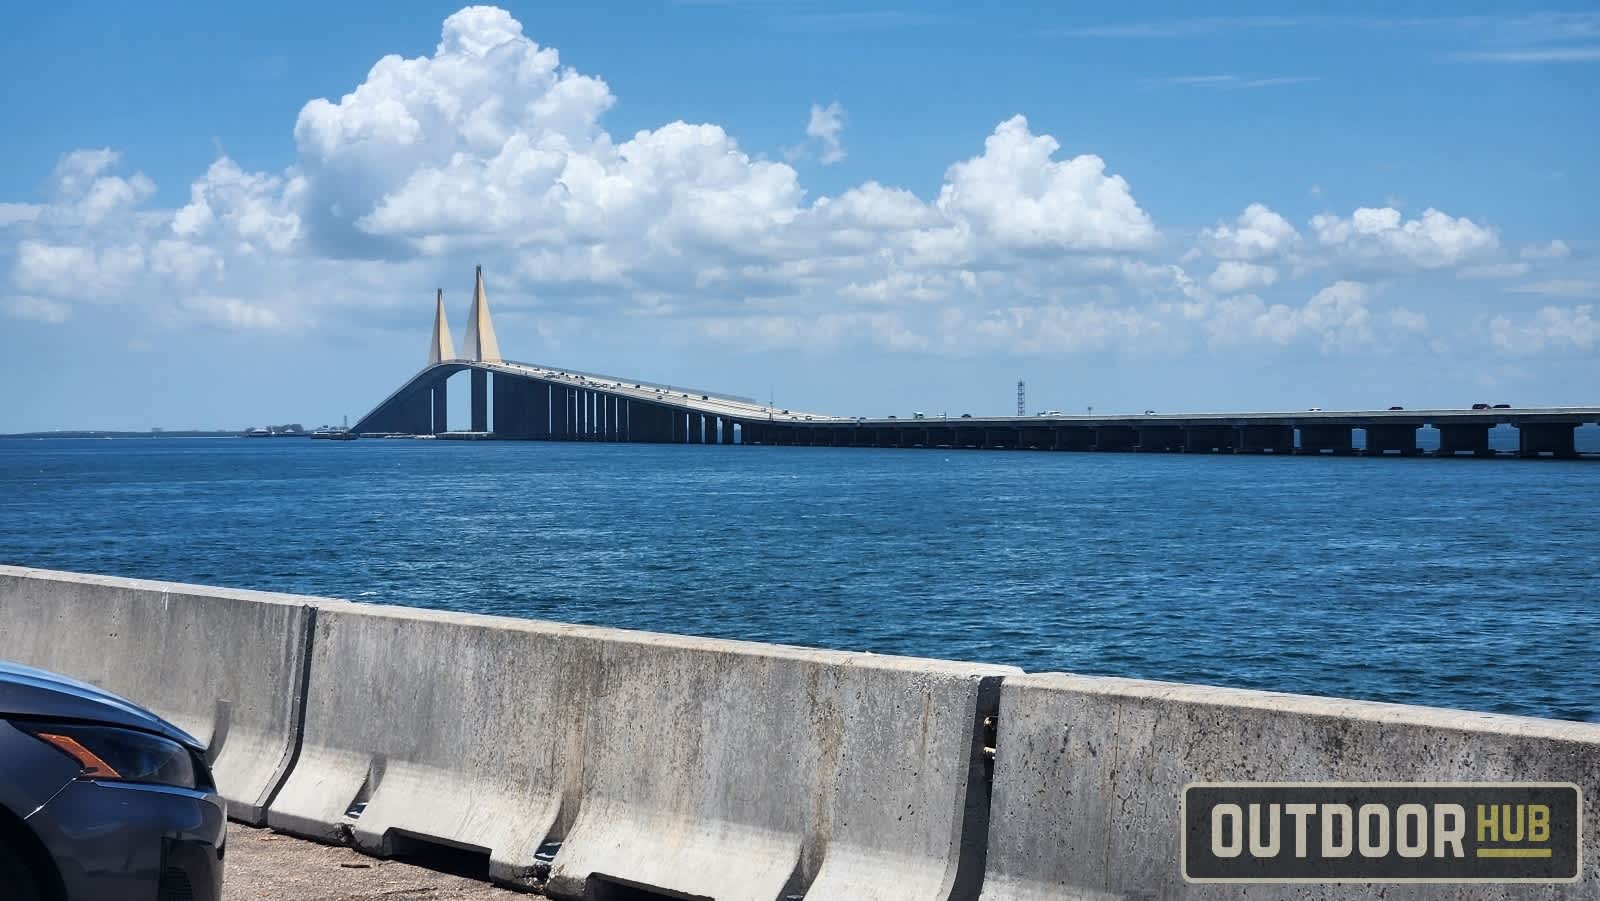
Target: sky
(216, 215)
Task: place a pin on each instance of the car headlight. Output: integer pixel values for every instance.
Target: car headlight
(124, 755)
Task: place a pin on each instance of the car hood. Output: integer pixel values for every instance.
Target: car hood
(41, 694)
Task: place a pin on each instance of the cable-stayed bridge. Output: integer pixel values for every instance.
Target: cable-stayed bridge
(541, 403)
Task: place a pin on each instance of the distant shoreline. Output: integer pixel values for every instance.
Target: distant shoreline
(87, 433)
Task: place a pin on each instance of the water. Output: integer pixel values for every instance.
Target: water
(1459, 583)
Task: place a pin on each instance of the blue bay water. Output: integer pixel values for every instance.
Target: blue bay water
(1458, 583)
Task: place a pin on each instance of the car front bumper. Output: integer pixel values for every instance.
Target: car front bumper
(135, 842)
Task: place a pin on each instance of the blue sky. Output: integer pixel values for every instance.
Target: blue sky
(223, 215)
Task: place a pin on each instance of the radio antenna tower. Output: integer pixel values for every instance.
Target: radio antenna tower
(1022, 398)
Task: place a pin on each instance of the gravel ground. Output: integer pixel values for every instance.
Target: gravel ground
(263, 865)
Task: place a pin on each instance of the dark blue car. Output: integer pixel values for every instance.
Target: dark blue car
(100, 798)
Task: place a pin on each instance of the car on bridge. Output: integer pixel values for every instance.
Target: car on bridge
(100, 798)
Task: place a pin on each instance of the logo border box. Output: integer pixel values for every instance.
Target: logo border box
(1183, 835)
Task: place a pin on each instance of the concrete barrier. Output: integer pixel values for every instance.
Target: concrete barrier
(699, 767)
(727, 770)
(458, 729)
(1090, 771)
(226, 666)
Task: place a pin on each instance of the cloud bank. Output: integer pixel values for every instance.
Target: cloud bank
(492, 150)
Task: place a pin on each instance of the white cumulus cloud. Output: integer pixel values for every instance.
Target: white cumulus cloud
(1257, 233)
(1381, 237)
(1019, 195)
(1550, 329)
(1234, 276)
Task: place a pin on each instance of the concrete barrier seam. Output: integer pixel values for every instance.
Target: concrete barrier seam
(297, 711)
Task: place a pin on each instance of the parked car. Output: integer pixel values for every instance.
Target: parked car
(1502, 406)
(1480, 406)
(966, 415)
(1396, 408)
(100, 798)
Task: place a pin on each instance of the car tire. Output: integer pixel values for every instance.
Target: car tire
(17, 876)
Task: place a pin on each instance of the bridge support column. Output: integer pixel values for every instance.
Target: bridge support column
(418, 419)
(480, 400)
(539, 409)
(1470, 438)
(1399, 438)
(1035, 438)
(1261, 439)
(1554, 438)
(529, 408)
(1160, 438)
(1115, 438)
(1210, 439)
(1002, 438)
(560, 416)
(1073, 438)
(500, 422)
(642, 422)
(1317, 439)
(441, 407)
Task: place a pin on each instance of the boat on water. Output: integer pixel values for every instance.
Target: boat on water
(329, 433)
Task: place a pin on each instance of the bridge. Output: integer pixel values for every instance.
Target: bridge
(543, 403)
